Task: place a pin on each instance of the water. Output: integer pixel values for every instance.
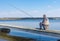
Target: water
(34, 23)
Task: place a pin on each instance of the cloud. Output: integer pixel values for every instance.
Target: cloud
(54, 13)
(49, 6)
(15, 13)
(35, 11)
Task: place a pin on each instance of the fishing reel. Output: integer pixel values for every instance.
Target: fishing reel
(5, 30)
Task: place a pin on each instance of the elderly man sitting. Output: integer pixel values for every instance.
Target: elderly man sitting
(44, 23)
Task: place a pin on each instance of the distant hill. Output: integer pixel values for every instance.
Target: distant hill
(27, 18)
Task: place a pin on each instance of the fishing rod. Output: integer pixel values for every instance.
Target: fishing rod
(19, 9)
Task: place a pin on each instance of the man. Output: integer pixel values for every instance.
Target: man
(44, 23)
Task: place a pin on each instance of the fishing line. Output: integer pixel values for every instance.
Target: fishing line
(19, 10)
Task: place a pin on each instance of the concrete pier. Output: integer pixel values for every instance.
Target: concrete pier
(55, 33)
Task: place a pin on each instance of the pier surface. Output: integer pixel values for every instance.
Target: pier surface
(55, 33)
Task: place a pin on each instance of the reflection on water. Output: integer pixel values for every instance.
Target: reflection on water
(5, 37)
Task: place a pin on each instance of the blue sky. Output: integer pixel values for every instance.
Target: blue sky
(35, 8)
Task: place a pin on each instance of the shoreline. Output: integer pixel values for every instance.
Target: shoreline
(27, 18)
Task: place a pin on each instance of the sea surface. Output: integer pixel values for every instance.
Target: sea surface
(33, 23)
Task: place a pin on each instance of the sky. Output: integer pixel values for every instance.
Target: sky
(29, 8)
